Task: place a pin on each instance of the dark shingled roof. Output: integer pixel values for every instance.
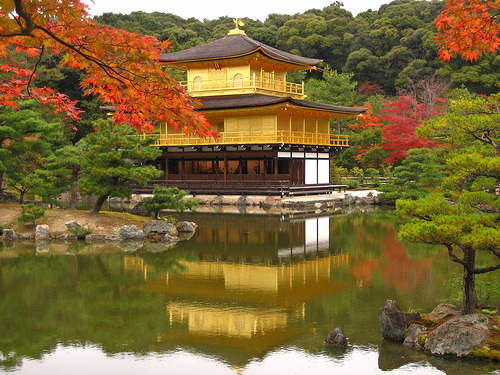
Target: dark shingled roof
(259, 100)
(211, 103)
(232, 46)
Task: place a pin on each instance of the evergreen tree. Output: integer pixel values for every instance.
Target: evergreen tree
(466, 218)
(112, 162)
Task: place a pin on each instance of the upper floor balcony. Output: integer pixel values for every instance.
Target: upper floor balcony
(244, 85)
(253, 138)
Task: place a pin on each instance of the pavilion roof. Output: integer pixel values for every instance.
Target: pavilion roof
(232, 46)
(260, 100)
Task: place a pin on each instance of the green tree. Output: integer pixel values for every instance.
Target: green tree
(419, 173)
(466, 219)
(334, 88)
(168, 198)
(61, 172)
(112, 162)
(26, 136)
(30, 213)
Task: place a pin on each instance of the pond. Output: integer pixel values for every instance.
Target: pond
(247, 294)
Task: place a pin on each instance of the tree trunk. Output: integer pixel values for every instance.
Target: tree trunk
(98, 204)
(21, 197)
(74, 193)
(469, 283)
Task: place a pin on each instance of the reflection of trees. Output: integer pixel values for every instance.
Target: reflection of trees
(167, 261)
(48, 300)
(398, 269)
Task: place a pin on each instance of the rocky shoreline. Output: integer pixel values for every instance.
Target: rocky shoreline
(443, 332)
(160, 232)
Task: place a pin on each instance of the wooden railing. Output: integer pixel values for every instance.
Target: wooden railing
(253, 137)
(231, 85)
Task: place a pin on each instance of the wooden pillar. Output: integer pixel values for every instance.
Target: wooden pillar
(183, 168)
(225, 167)
(166, 169)
(240, 167)
(276, 165)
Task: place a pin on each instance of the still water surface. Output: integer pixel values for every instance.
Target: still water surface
(248, 294)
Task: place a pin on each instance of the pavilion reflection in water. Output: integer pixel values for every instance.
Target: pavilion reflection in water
(250, 289)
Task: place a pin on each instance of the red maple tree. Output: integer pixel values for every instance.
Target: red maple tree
(402, 116)
(121, 68)
(469, 28)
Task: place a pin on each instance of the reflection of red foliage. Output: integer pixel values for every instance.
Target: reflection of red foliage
(397, 268)
(363, 270)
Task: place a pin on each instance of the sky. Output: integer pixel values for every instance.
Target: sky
(206, 9)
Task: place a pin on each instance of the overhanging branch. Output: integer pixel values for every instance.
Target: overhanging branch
(486, 269)
(453, 257)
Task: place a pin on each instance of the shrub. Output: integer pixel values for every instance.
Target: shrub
(81, 231)
(31, 213)
(168, 198)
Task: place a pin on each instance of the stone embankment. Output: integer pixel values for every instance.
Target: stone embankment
(335, 202)
(158, 231)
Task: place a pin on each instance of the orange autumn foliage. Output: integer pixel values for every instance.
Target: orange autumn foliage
(120, 68)
(468, 28)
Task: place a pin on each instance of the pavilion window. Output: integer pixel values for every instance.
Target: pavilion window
(197, 83)
(238, 80)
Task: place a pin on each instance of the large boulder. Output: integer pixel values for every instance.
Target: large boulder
(42, 232)
(412, 338)
(186, 226)
(393, 321)
(128, 233)
(336, 337)
(443, 311)
(159, 227)
(458, 336)
(10, 235)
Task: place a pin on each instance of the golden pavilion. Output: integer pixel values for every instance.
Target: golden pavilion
(272, 141)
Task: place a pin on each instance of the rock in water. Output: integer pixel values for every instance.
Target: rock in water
(393, 321)
(187, 226)
(458, 336)
(413, 335)
(129, 232)
(160, 227)
(42, 232)
(336, 337)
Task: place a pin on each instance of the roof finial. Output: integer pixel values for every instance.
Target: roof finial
(237, 22)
